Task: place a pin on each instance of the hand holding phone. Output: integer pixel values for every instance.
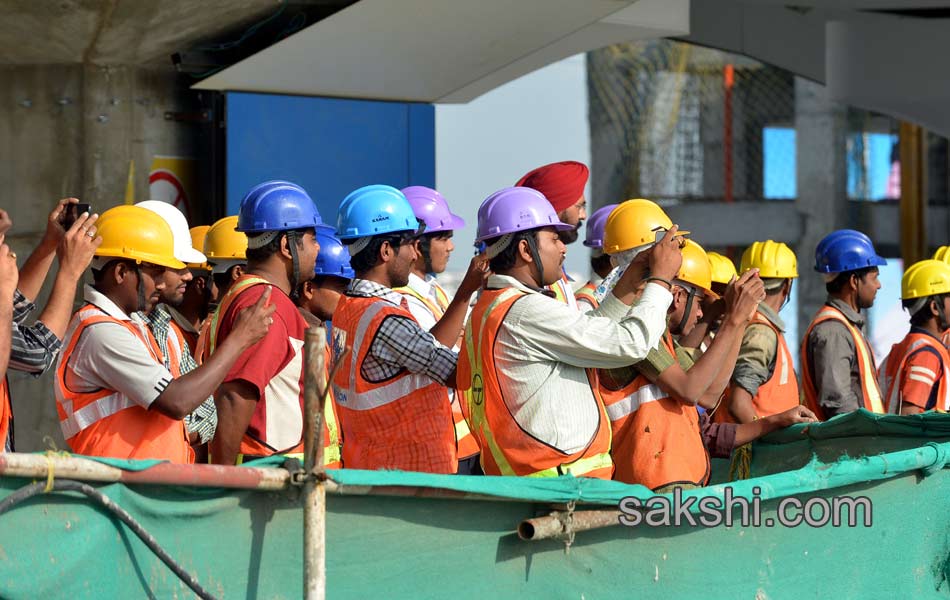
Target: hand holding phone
(71, 212)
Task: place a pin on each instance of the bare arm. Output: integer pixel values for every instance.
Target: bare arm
(37, 265)
(75, 250)
(449, 327)
(184, 394)
(709, 375)
(235, 401)
(748, 432)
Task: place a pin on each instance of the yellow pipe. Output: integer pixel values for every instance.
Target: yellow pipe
(913, 231)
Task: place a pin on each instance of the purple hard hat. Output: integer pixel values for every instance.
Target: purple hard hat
(515, 209)
(595, 226)
(430, 207)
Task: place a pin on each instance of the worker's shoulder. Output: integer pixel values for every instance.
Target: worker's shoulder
(759, 333)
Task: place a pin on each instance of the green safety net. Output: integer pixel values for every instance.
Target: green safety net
(248, 544)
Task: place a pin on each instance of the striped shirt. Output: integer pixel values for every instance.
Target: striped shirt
(400, 343)
(204, 419)
(34, 348)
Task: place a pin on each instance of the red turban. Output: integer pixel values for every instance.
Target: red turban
(562, 183)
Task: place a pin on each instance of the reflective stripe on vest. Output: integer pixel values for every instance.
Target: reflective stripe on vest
(779, 392)
(893, 366)
(404, 422)
(866, 370)
(563, 292)
(467, 446)
(241, 284)
(383, 394)
(586, 294)
(656, 439)
(132, 431)
(483, 395)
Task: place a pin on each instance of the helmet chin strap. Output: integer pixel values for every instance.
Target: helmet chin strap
(295, 260)
(536, 257)
(140, 290)
(690, 296)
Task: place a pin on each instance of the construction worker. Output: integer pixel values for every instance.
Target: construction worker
(723, 272)
(114, 395)
(33, 348)
(914, 377)
(188, 316)
(226, 250)
(260, 401)
(527, 362)
(943, 254)
(226, 253)
(318, 299)
(599, 262)
(391, 387)
(659, 394)
(838, 371)
(763, 380)
(562, 183)
(427, 300)
(176, 353)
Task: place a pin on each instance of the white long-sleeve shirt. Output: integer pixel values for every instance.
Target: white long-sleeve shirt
(544, 347)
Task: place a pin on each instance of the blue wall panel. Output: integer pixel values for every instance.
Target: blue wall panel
(329, 146)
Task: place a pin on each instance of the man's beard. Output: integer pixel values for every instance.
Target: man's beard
(570, 236)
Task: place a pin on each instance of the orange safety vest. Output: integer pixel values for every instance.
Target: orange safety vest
(465, 441)
(507, 449)
(893, 365)
(6, 412)
(866, 369)
(250, 446)
(184, 337)
(106, 422)
(586, 294)
(404, 422)
(780, 392)
(657, 439)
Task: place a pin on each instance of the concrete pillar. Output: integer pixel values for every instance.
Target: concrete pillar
(821, 182)
(71, 130)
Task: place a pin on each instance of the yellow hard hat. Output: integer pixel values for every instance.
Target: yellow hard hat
(198, 241)
(723, 269)
(774, 260)
(138, 234)
(695, 269)
(943, 254)
(222, 242)
(635, 223)
(925, 278)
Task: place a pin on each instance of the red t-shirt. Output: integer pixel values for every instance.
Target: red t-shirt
(274, 367)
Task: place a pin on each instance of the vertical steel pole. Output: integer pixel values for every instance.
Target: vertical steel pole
(315, 507)
(913, 153)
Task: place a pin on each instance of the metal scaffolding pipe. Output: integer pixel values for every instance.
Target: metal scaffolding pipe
(315, 499)
(564, 524)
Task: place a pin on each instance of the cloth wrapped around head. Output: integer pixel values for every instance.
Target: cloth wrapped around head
(562, 183)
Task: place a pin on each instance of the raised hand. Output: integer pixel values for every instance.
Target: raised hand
(253, 322)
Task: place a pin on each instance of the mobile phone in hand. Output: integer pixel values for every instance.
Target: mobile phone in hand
(71, 212)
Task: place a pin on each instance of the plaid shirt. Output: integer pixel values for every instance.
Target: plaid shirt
(400, 344)
(204, 420)
(33, 348)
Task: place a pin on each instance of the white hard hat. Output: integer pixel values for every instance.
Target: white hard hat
(179, 226)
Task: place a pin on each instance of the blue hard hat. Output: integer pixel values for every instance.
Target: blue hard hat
(374, 210)
(277, 206)
(846, 250)
(333, 258)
